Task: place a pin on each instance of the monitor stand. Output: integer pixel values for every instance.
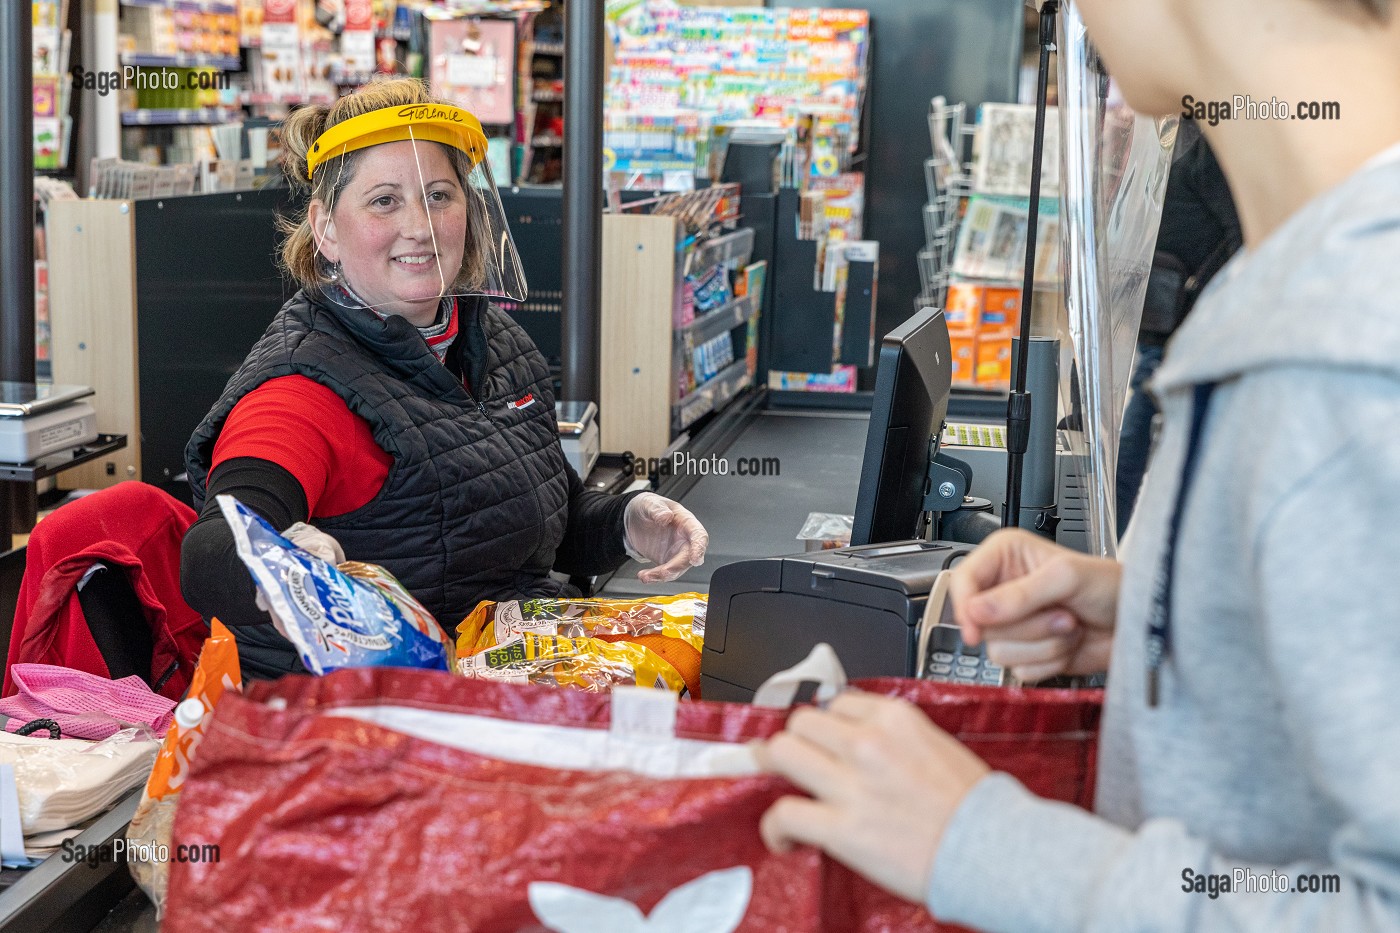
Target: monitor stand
(953, 514)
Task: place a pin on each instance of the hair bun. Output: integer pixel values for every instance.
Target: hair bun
(300, 131)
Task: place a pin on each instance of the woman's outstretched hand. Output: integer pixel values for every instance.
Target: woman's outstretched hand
(666, 533)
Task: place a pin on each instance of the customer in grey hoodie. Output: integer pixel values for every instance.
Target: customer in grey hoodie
(1251, 735)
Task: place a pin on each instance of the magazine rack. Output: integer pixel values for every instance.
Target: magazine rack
(948, 178)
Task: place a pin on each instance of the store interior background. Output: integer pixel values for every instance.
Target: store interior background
(154, 300)
(150, 286)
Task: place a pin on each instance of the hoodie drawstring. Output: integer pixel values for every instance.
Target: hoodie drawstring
(1159, 632)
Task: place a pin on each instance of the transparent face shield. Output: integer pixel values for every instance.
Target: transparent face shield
(1116, 164)
(407, 214)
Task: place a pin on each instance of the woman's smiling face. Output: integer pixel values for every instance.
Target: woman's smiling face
(398, 235)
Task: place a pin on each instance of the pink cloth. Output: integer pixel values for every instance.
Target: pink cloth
(84, 705)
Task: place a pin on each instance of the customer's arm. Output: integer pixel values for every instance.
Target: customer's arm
(985, 853)
(1002, 859)
(1328, 593)
(212, 576)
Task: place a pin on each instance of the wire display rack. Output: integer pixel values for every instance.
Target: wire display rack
(948, 179)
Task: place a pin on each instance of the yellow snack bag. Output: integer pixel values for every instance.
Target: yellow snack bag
(586, 663)
(493, 623)
(670, 628)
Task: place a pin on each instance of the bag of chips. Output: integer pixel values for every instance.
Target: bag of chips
(357, 615)
(589, 664)
(671, 630)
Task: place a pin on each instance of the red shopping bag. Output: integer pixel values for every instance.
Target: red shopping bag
(388, 799)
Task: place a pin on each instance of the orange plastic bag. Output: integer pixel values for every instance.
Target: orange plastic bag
(149, 832)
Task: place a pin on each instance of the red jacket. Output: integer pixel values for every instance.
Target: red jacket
(132, 527)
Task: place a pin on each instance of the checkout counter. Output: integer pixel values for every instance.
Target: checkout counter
(868, 601)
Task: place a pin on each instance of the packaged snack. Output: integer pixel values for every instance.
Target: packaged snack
(589, 664)
(359, 616)
(686, 308)
(216, 672)
(491, 623)
(825, 531)
(670, 628)
(711, 290)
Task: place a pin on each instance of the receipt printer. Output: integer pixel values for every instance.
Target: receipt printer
(866, 602)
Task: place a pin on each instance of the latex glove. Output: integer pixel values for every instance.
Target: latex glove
(1044, 610)
(315, 541)
(884, 780)
(658, 530)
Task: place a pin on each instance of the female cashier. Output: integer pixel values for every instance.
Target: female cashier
(392, 413)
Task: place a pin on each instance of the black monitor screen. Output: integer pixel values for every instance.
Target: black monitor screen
(912, 384)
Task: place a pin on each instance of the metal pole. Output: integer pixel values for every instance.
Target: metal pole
(583, 198)
(1039, 477)
(16, 219)
(16, 194)
(1018, 406)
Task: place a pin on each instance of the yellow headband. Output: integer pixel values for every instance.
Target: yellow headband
(438, 123)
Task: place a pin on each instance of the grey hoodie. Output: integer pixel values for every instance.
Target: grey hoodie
(1276, 743)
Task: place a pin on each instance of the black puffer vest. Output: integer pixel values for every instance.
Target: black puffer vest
(476, 500)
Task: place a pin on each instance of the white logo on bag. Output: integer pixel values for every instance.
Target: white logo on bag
(333, 628)
(712, 903)
(510, 622)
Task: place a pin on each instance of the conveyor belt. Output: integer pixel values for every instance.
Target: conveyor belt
(819, 455)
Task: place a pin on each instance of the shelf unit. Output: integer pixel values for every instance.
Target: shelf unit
(646, 258)
(167, 116)
(155, 313)
(978, 300)
(166, 131)
(192, 6)
(713, 395)
(540, 100)
(726, 317)
(180, 60)
(727, 248)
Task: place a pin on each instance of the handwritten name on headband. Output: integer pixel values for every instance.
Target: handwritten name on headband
(425, 112)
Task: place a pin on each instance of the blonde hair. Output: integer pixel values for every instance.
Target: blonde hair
(300, 257)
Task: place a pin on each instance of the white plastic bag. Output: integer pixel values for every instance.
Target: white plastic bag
(62, 782)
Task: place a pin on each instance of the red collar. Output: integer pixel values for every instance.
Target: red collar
(442, 341)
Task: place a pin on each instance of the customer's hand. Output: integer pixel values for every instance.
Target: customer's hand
(884, 780)
(665, 532)
(315, 541)
(1044, 610)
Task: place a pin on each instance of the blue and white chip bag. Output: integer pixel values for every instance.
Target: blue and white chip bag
(356, 615)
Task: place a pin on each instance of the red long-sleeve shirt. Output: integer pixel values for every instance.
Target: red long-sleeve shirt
(309, 431)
